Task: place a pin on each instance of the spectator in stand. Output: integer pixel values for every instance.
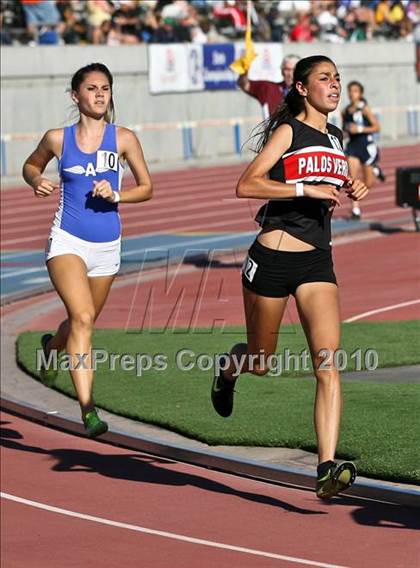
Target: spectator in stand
(277, 24)
(291, 7)
(41, 15)
(397, 11)
(73, 27)
(261, 29)
(6, 18)
(125, 24)
(179, 17)
(305, 29)
(230, 16)
(203, 21)
(384, 20)
(209, 29)
(269, 94)
(350, 25)
(329, 27)
(365, 14)
(99, 13)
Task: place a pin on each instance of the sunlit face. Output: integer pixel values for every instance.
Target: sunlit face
(323, 88)
(287, 70)
(94, 94)
(355, 94)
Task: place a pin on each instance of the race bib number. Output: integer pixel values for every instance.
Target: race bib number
(106, 161)
(249, 269)
(335, 142)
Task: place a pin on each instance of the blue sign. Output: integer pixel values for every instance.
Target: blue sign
(217, 58)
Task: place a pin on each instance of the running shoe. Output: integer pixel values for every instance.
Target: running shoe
(356, 215)
(222, 392)
(338, 478)
(49, 374)
(379, 173)
(94, 426)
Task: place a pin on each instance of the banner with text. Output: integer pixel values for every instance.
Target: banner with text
(183, 67)
(175, 68)
(217, 58)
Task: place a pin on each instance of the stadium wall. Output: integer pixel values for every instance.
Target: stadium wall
(35, 81)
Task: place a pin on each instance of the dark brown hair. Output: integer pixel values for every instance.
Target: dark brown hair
(80, 76)
(294, 103)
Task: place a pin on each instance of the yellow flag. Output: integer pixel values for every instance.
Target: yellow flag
(243, 64)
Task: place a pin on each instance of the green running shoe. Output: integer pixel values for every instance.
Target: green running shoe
(94, 425)
(47, 375)
(338, 478)
(222, 391)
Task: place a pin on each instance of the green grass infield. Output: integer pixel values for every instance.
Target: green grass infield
(380, 421)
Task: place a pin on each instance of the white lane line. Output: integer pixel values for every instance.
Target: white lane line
(226, 223)
(23, 271)
(10, 256)
(379, 310)
(165, 534)
(200, 243)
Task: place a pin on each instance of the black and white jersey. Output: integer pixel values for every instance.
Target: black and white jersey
(314, 157)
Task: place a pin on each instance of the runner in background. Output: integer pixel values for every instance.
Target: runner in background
(359, 123)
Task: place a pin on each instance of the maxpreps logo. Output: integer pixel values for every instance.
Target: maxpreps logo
(316, 164)
(105, 161)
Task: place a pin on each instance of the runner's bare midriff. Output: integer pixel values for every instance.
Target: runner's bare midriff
(280, 240)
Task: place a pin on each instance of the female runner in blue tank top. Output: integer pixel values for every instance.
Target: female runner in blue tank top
(83, 251)
(300, 168)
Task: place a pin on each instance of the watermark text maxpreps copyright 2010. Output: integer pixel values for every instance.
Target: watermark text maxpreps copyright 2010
(187, 360)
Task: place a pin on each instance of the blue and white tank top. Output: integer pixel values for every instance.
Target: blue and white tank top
(89, 218)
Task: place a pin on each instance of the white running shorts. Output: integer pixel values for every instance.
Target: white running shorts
(101, 259)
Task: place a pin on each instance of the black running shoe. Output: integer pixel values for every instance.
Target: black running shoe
(222, 391)
(379, 173)
(338, 478)
(47, 375)
(355, 216)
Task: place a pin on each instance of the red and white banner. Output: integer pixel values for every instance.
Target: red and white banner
(175, 68)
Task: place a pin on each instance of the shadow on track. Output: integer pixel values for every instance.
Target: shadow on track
(143, 468)
(139, 468)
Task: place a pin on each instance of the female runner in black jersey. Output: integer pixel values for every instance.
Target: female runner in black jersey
(299, 169)
(360, 124)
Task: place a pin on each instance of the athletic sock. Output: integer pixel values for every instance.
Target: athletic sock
(323, 468)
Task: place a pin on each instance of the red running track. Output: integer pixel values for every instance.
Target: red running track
(78, 475)
(191, 200)
(373, 274)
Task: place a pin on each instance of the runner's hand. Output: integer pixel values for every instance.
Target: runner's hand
(353, 128)
(43, 187)
(356, 189)
(103, 189)
(323, 191)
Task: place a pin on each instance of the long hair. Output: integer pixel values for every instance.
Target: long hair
(80, 76)
(294, 103)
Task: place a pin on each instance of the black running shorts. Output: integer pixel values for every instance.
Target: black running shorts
(366, 152)
(277, 273)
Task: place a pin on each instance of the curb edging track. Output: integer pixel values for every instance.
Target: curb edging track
(271, 473)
